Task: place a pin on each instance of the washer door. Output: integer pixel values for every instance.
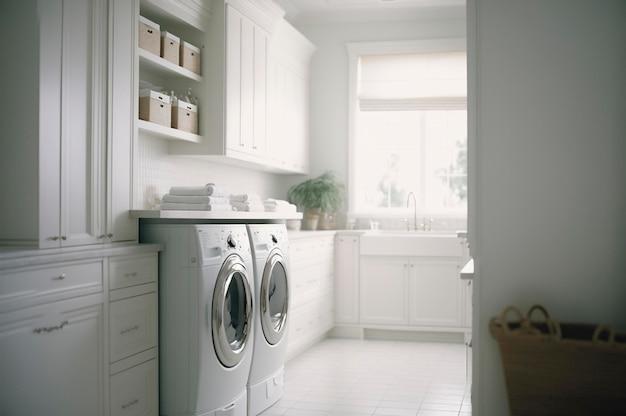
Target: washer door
(274, 298)
(231, 312)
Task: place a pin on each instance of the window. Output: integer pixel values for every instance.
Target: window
(409, 130)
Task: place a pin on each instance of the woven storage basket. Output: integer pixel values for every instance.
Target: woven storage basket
(558, 369)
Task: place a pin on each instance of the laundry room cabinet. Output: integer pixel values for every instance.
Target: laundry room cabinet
(419, 292)
(72, 189)
(255, 86)
(346, 279)
(78, 331)
(52, 359)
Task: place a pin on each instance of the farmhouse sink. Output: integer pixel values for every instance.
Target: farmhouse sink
(411, 243)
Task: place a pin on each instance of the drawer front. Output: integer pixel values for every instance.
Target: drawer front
(134, 391)
(133, 325)
(132, 271)
(27, 287)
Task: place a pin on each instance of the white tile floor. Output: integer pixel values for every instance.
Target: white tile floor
(353, 377)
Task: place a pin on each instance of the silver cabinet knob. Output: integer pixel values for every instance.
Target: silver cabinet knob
(110, 235)
(63, 237)
(62, 276)
(55, 238)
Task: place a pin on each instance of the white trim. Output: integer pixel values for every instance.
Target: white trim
(413, 104)
(473, 69)
(355, 50)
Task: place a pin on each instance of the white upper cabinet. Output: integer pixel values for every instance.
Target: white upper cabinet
(83, 121)
(256, 111)
(81, 195)
(288, 99)
(246, 85)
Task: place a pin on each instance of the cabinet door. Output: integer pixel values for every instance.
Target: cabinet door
(52, 359)
(50, 29)
(383, 291)
(234, 22)
(347, 280)
(83, 121)
(122, 114)
(259, 139)
(435, 292)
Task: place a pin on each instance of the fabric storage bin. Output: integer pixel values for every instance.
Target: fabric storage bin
(170, 47)
(155, 107)
(185, 117)
(149, 36)
(190, 57)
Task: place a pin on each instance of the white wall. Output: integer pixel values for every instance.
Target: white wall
(329, 75)
(549, 172)
(157, 171)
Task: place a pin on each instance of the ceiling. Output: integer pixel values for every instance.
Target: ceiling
(334, 10)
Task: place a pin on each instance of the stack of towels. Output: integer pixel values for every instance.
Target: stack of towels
(209, 197)
(278, 205)
(247, 202)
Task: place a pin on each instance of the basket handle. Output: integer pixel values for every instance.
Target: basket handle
(553, 326)
(601, 329)
(505, 322)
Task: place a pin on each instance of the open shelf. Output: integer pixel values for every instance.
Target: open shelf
(155, 64)
(167, 132)
(193, 14)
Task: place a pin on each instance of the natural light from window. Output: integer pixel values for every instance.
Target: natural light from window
(410, 134)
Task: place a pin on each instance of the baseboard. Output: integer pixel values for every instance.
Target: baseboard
(355, 332)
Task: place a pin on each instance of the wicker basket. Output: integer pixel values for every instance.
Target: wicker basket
(557, 369)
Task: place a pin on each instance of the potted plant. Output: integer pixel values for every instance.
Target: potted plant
(319, 198)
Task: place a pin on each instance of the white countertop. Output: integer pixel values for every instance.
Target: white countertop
(214, 215)
(16, 257)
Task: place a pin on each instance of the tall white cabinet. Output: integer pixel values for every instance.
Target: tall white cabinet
(70, 195)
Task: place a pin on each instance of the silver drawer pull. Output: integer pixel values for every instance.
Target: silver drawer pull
(129, 329)
(54, 238)
(133, 274)
(62, 276)
(130, 403)
(50, 328)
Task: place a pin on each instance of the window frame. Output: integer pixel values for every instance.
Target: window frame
(355, 51)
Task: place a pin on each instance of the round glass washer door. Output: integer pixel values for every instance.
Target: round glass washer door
(274, 300)
(231, 320)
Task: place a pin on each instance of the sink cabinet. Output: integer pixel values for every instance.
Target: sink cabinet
(383, 295)
(415, 291)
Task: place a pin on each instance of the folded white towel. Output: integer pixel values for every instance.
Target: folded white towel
(245, 198)
(248, 207)
(173, 206)
(275, 202)
(281, 208)
(195, 199)
(210, 189)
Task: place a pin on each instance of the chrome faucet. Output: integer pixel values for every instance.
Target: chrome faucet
(408, 200)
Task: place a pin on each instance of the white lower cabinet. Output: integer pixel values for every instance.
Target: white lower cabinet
(311, 297)
(436, 293)
(416, 292)
(384, 297)
(51, 359)
(347, 279)
(67, 344)
(134, 392)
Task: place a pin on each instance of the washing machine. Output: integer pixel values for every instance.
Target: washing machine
(206, 299)
(270, 250)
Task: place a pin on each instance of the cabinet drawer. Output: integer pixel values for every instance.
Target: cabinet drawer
(133, 325)
(27, 287)
(134, 391)
(131, 271)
